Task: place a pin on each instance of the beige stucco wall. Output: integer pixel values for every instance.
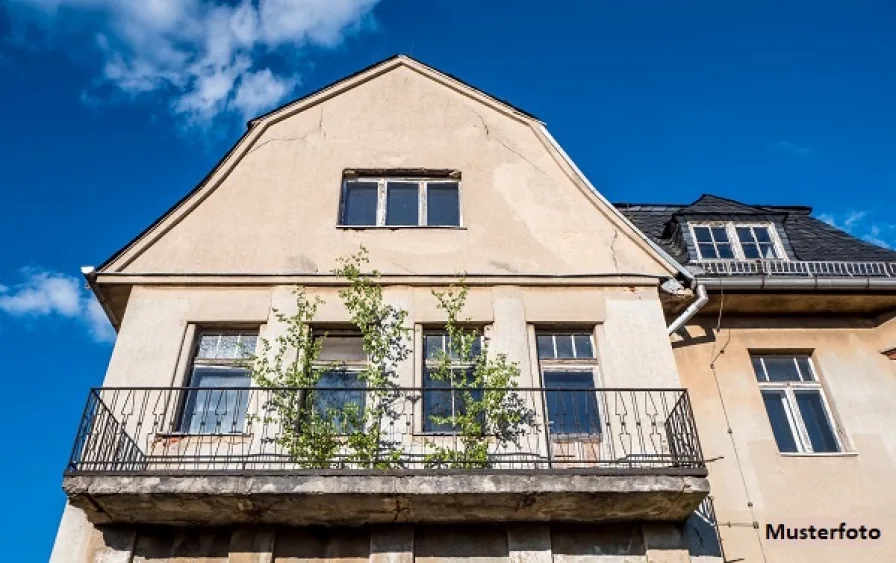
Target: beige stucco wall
(798, 491)
(277, 210)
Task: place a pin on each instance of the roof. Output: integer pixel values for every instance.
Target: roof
(810, 238)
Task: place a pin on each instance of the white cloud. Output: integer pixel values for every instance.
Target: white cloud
(206, 57)
(45, 294)
(790, 148)
(861, 224)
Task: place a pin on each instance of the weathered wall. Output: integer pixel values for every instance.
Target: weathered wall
(855, 487)
(657, 543)
(277, 211)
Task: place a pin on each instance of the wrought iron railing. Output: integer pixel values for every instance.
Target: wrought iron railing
(145, 430)
(797, 268)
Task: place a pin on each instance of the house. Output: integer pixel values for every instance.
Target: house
(178, 457)
(787, 367)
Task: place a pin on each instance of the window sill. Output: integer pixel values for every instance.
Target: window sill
(400, 227)
(819, 454)
(168, 435)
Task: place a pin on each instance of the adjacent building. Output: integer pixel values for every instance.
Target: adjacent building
(661, 349)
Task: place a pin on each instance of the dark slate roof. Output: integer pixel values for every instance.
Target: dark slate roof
(810, 238)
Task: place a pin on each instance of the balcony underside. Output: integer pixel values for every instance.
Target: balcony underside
(383, 497)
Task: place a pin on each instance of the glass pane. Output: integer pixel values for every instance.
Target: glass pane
(816, 421)
(545, 345)
(720, 234)
(777, 416)
(757, 368)
(805, 368)
(402, 203)
(475, 349)
(216, 410)
(572, 403)
(781, 368)
(702, 234)
(342, 349)
(583, 346)
(440, 400)
(745, 234)
(433, 346)
(708, 252)
(247, 345)
(228, 346)
(564, 346)
(751, 251)
(208, 344)
(340, 398)
(359, 207)
(725, 251)
(768, 251)
(442, 204)
(762, 234)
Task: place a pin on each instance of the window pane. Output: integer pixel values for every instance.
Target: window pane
(208, 346)
(216, 411)
(564, 346)
(762, 234)
(228, 346)
(745, 235)
(816, 421)
(805, 368)
(545, 345)
(440, 400)
(340, 398)
(442, 204)
(725, 251)
(751, 251)
(342, 349)
(702, 234)
(402, 203)
(433, 345)
(359, 207)
(757, 368)
(768, 251)
(720, 234)
(583, 346)
(781, 368)
(246, 346)
(572, 403)
(708, 252)
(777, 416)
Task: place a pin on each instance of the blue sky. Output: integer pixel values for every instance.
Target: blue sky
(113, 110)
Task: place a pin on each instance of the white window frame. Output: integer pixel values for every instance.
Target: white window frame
(789, 390)
(584, 365)
(381, 199)
(734, 240)
(433, 363)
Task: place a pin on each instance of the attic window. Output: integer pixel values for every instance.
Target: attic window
(736, 241)
(400, 201)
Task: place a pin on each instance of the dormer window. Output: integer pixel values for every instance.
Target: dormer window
(736, 241)
(400, 201)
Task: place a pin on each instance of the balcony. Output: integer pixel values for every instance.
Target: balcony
(219, 456)
(787, 268)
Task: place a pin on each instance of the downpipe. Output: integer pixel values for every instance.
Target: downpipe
(702, 299)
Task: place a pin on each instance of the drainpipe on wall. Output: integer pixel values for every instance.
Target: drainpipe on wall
(702, 299)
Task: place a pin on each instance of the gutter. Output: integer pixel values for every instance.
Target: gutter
(693, 308)
(803, 284)
(681, 269)
(89, 273)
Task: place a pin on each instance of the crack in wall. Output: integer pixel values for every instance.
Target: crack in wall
(613, 249)
(319, 129)
(491, 137)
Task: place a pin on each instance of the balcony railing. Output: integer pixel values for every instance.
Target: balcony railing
(237, 430)
(796, 268)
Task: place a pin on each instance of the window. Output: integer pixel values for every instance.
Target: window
(400, 202)
(440, 397)
(568, 367)
(219, 364)
(795, 403)
(736, 241)
(341, 391)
